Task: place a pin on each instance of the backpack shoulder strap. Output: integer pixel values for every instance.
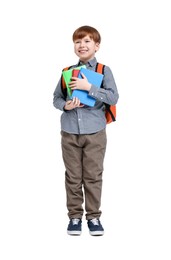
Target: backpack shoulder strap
(110, 109)
(100, 68)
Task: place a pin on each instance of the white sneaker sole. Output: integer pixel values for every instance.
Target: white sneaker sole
(74, 233)
(96, 233)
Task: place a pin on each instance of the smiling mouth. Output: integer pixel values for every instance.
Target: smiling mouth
(82, 51)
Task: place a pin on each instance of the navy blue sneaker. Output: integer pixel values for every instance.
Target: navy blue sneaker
(95, 227)
(74, 226)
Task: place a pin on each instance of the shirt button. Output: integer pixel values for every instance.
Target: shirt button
(92, 93)
(101, 98)
(79, 119)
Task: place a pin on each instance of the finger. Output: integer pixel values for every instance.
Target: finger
(74, 101)
(72, 83)
(73, 78)
(69, 102)
(81, 105)
(83, 76)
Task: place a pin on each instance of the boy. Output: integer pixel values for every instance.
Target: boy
(83, 136)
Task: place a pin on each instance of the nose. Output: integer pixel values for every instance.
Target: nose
(82, 44)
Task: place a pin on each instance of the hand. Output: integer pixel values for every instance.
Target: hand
(71, 104)
(78, 83)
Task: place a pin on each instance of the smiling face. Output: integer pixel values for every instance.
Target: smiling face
(85, 48)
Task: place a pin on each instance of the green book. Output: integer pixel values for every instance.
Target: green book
(67, 74)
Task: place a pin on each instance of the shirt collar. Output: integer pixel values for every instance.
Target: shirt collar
(90, 63)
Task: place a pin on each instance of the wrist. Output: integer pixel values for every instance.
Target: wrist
(88, 87)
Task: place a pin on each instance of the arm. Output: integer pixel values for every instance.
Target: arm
(63, 103)
(58, 97)
(108, 93)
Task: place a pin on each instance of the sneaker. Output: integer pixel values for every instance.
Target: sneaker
(95, 227)
(74, 226)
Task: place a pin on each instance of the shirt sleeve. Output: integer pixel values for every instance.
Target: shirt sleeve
(108, 93)
(58, 97)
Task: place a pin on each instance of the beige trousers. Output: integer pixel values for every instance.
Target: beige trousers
(83, 157)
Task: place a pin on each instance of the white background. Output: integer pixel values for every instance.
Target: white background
(36, 43)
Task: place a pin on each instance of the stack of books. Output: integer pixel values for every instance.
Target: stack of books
(93, 78)
(67, 74)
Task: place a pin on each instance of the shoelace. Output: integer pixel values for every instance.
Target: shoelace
(95, 221)
(75, 221)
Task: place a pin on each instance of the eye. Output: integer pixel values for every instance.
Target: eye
(76, 42)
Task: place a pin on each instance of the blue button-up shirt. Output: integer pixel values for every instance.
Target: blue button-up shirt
(87, 120)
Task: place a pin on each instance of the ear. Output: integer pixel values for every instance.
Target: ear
(97, 46)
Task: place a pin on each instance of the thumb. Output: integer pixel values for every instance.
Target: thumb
(83, 76)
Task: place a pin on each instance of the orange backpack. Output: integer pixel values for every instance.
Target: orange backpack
(110, 111)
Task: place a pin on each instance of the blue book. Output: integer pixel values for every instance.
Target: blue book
(93, 78)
